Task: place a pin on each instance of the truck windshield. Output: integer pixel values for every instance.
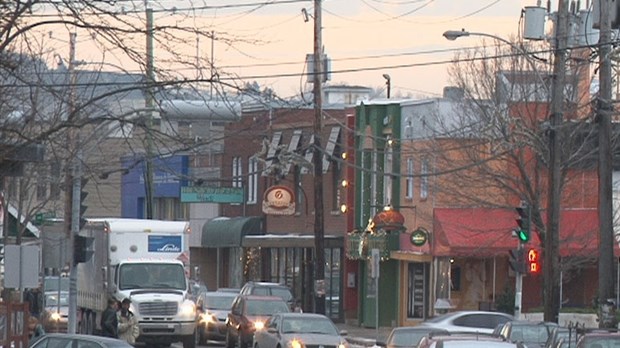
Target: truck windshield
(152, 276)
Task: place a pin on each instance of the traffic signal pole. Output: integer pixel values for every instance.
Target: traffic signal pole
(518, 285)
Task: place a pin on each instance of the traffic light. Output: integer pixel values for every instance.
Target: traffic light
(82, 249)
(533, 261)
(517, 260)
(83, 206)
(523, 221)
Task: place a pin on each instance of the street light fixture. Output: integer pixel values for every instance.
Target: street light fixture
(455, 34)
(388, 81)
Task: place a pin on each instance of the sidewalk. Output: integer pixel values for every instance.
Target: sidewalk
(363, 336)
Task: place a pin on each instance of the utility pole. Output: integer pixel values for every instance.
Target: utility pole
(319, 233)
(606, 274)
(148, 104)
(551, 293)
(72, 198)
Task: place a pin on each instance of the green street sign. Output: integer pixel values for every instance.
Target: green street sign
(199, 194)
(41, 218)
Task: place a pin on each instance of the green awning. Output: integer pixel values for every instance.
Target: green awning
(229, 232)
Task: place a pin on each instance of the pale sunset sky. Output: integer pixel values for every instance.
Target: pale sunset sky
(363, 38)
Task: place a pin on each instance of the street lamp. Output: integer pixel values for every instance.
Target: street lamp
(388, 83)
(455, 34)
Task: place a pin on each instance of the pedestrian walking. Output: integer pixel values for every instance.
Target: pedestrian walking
(35, 329)
(128, 328)
(109, 319)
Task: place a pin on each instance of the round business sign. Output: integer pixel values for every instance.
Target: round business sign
(418, 237)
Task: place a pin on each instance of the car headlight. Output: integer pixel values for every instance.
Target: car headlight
(55, 316)
(207, 318)
(295, 343)
(259, 325)
(188, 309)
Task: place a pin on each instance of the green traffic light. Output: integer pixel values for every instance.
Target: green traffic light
(524, 237)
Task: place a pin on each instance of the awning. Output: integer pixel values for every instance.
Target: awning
(12, 227)
(486, 232)
(229, 232)
(290, 241)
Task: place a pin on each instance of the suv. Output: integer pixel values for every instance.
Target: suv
(269, 289)
(248, 314)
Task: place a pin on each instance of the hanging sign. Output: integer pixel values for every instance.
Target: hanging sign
(418, 237)
(279, 200)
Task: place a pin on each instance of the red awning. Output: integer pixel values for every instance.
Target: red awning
(487, 232)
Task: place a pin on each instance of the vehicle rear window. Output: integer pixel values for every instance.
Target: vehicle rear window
(284, 294)
(266, 307)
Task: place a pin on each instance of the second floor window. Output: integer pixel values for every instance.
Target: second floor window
(409, 179)
(237, 172)
(424, 179)
(252, 180)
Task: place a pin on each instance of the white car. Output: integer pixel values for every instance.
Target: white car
(299, 330)
(468, 321)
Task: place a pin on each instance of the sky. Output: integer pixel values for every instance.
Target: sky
(364, 39)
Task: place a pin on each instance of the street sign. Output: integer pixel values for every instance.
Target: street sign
(21, 266)
(200, 194)
(375, 258)
(41, 218)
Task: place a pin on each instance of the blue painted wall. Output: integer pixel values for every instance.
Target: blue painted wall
(169, 175)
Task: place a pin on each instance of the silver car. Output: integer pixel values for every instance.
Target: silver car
(298, 330)
(468, 321)
(75, 340)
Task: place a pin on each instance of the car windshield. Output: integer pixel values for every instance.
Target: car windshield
(265, 307)
(52, 300)
(55, 283)
(611, 341)
(219, 302)
(152, 276)
(308, 325)
(537, 333)
(406, 338)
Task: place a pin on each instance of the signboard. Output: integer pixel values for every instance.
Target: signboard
(418, 237)
(165, 244)
(279, 200)
(21, 266)
(200, 194)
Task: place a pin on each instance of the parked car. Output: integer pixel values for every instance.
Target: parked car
(473, 321)
(248, 314)
(79, 341)
(296, 330)
(406, 337)
(599, 338)
(471, 339)
(213, 308)
(532, 334)
(55, 315)
(269, 289)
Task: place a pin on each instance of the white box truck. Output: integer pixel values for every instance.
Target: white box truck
(147, 262)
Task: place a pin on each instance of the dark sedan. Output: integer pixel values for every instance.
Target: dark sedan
(213, 307)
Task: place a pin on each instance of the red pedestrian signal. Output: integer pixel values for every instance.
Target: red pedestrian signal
(533, 261)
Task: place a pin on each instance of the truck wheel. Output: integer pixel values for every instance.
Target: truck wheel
(189, 341)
